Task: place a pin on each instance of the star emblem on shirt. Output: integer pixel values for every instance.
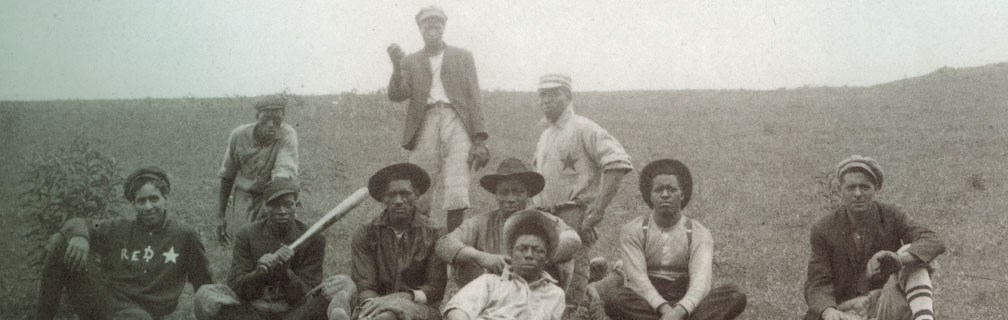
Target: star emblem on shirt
(569, 161)
(170, 255)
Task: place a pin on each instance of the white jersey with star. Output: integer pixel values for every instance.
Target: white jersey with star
(571, 154)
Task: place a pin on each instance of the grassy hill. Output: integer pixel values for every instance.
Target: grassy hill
(760, 158)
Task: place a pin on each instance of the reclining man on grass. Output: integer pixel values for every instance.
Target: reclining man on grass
(478, 246)
(144, 262)
(269, 280)
(522, 290)
(869, 259)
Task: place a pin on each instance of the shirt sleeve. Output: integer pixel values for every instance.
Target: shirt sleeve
(635, 264)
(472, 83)
(98, 232)
(437, 277)
(286, 164)
(449, 245)
(198, 267)
(605, 150)
(819, 290)
(473, 297)
(230, 165)
(399, 88)
(307, 273)
(244, 279)
(700, 268)
(362, 264)
(924, 243)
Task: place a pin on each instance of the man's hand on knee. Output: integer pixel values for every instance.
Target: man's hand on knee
(883, 262)
(76, 254)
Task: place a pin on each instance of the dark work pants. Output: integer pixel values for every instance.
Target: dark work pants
(721, 303)
(89, 296)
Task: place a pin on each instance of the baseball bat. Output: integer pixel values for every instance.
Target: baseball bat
(329, 218)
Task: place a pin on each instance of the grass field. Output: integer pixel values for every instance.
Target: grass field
(759, 158)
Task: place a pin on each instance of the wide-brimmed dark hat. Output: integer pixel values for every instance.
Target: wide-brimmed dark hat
(399, 171)
(512, 168)
(532, 218)
(132, 182)
(666, 166)
(278, 187)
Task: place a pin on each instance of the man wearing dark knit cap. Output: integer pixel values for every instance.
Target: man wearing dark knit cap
(869, 259)
(444, 131)
(256, 153)
(124, 268)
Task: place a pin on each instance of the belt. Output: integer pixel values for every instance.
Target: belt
(438, 104)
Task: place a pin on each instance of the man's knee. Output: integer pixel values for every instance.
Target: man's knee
(338, 286)
(737, 299)
(211, 298)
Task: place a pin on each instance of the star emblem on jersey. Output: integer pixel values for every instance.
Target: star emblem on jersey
(569, 162)
(170, 255)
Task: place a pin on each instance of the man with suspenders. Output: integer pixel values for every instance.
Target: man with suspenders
(667, 257)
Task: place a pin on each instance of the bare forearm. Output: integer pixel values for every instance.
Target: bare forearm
(456, 314)
(226, 184)
(610, 185)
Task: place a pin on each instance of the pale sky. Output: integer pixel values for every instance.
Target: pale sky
(199, 48)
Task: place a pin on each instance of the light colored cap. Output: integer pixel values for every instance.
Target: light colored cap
(555, 80)
(868, 164)
(431, 12)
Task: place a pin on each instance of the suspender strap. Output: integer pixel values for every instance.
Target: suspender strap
(689, 234)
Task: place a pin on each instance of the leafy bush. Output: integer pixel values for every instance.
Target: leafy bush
(76, 181)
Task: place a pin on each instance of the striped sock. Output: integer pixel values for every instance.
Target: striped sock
(918, 294)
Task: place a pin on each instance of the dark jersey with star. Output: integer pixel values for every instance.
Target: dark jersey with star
(150, 266)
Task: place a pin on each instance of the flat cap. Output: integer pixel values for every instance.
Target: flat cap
(555, 80)
(431, 12)
(271, 103)
(868, 164)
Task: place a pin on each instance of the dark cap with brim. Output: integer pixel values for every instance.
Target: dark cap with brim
(399, 171)
(279, 187)
(512, 168)
(147, 173)
(274, 103)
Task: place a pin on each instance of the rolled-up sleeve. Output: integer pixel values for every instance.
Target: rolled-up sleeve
(286, 165)
(605, 150)
(924, 243)
(230, 165)
(449, 245)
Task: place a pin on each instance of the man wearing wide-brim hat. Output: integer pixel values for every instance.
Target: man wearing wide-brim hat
(392, 256)
(522, 290)
(478, 246)
(444, 131)
(583, 165)
(869, 259)
(256, 153)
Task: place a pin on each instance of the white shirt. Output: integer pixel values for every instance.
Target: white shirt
(437, 90)
(508, 296)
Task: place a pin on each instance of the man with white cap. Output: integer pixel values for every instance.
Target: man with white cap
(583, 165)
(869, 259)
(444, 131)
(256, 153)
(523, 290)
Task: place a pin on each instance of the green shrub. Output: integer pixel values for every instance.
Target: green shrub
(76, 181)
